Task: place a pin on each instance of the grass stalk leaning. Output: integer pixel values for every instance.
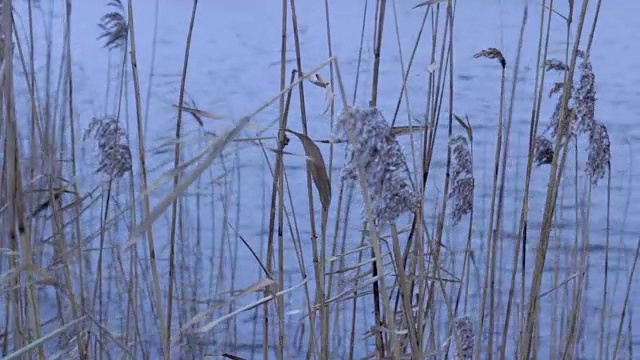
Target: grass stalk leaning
(144, 185)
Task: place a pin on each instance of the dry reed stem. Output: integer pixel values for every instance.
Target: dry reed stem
(495, 205)
(425, 309)
(550, 204)
(176, 163)
(143, 166)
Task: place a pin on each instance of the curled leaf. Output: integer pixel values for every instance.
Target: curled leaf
(317, 168)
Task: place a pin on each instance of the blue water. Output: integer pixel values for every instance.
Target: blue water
(234, 68)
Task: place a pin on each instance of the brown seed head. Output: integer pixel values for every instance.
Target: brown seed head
(492, 53)
(373, 147)
(599, 152)
(114, 156)
(462, 188)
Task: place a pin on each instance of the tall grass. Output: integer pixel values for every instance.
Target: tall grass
(94, 264)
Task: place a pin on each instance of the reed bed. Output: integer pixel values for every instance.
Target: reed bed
(119, 243)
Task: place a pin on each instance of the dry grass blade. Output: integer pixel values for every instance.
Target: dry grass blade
(406, 130)
(198, 114)
(349, 252)
(232, 357)
(8, 252)
(253, 253)
(626, 300)
(265, 285)
(31, 269)
(214, 151)
(466, 125)
(366, 283)
(199, 316)
(317, 167)
(19, 354)
(562, 283)
(396, 131)
(319, 81)
(352, 267)
(429, 3)
(211, 325)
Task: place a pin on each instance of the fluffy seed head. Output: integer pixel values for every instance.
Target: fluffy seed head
(568, 122)
(599, 152)
(586, 97)
(555, 65)
(114, 157)
(492, 53)
(543, 151)
(373, 148)
(464, 332)
(462, 185)
(557, 87)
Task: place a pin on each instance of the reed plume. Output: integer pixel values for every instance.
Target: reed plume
(373, 147)
(114, 156)
(543, 151)
(114, 26)
(464, 334)
(585, 98)
(461, 193)
(492, 53)
(599, 152)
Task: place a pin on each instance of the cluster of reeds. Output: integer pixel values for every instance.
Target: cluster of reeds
(578, 118)
(163, 270)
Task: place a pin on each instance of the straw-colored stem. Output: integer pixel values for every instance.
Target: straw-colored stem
(143, 168)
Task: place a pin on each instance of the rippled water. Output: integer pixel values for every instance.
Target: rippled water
(234, 68)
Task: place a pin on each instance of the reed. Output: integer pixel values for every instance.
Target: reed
(369, 238)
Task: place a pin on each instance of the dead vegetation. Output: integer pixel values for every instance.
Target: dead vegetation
(109, 271)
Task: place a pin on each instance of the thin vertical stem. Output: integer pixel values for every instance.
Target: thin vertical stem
(176, 165)
(143, 172)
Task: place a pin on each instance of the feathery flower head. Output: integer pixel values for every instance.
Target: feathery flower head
(599, 152)
(586, 97)
(462, 188)
(114, 157)
(543, 150)
(464, 332)
(373, 148)
(492, 53)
